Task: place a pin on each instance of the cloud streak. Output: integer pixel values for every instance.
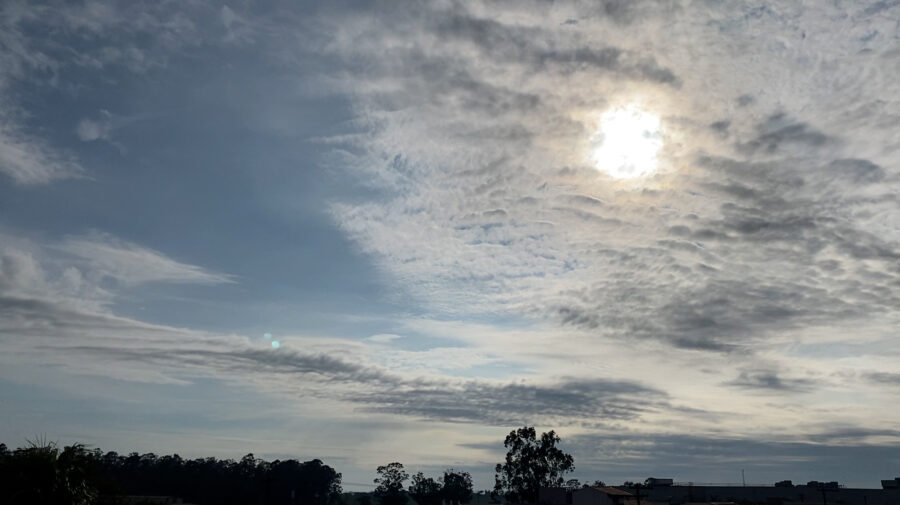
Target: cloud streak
(132, 264)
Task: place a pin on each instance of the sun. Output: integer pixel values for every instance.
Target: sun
(628, 142)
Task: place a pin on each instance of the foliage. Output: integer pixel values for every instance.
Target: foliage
(44, 473)
(77, 476)
(457, 487)
(390, 484)
(530, 464)
(425, 490)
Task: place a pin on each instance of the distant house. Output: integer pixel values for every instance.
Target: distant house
(595, 495)
(152, 500)
(601, 495)
(554, 496)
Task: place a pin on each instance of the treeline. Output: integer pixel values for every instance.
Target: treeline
(46, 474)
(532, 462)
(452, 488)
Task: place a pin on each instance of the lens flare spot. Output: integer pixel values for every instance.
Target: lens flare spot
(268, 335)
(275, 344)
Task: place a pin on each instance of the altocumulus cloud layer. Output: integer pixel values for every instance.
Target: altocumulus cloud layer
(747, 293)
(765, 220)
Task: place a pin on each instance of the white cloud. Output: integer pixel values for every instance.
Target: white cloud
(478, 126)
(76, 272)
(384, 338)
(768, 223)
(237, 28)
(29, 160)
(95, 129)
(93, 35)
(132, 264)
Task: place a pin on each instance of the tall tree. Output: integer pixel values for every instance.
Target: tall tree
(457, 487)
(530, 464)
(44, 473)
(572, 484)
(425, 490)
(390, 484)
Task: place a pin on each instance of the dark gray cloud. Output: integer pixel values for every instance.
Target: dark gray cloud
(532, 46)
(769, 381)
(567, 402)
(890, 379)
(721, 459)
(630, 11)
(836, 451)
(374, 389)
(52, 332)
(720, 315)
(779, 130)
(784, 230)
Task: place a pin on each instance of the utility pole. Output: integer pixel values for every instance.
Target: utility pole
(825, 490)
(637, 492)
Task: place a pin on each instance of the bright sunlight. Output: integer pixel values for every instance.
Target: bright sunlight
(627, 143)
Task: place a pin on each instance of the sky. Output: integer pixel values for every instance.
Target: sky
(413, 200)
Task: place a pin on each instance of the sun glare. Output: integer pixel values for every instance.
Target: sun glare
(628, 142)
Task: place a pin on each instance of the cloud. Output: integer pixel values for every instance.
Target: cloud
(370, 388)
(886, 378)
(517, 44)
(95, 129)
(488, 203)
(83, 273)
(96, 343)
(237, 28)
(770, 381)
(716, 457)
(778, 132)
(563, 403)
(132, 264)
(29, 160)
(90, 36)
(61, 319)
(384, 338)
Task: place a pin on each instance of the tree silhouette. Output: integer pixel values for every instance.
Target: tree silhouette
(530, 464)
(572, 484)
(390, 484)
(43, 474)
(457, 487)
(425, 490)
